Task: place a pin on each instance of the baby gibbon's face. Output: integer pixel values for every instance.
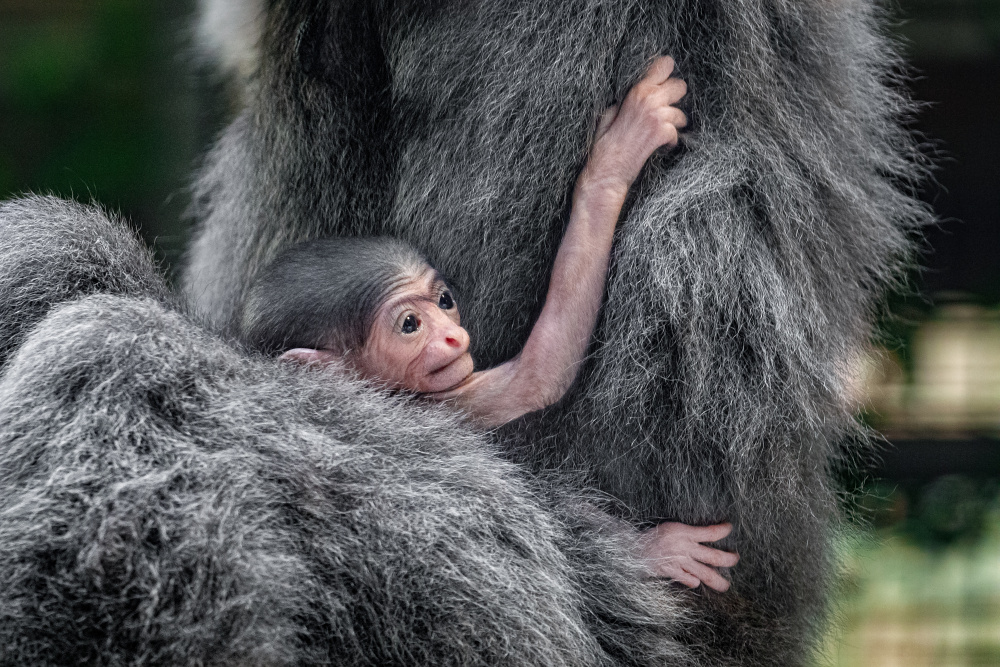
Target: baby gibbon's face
(417, 341)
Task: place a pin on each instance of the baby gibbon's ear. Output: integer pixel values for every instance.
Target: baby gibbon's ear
(311, 357)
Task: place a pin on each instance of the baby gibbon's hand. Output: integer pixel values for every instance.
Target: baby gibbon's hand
(675, 551)
(629, 133)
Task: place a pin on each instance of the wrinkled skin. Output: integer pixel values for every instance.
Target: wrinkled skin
(417, 341)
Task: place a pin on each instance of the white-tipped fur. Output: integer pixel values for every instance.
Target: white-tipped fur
(229, 33)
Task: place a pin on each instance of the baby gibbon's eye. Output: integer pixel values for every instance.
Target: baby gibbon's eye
(410, 324)
(446, 302)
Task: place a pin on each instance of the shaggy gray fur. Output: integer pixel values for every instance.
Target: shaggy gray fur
(167, 500)
(744, 275)
(52, 251)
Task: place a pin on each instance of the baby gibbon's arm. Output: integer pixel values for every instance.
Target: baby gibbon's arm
(547, 365)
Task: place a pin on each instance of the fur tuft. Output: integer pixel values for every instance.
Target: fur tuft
(53, 250)
(228, 35)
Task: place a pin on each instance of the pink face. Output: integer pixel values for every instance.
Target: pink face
(417, 341)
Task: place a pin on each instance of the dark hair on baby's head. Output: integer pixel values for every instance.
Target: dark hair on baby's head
(324, 294)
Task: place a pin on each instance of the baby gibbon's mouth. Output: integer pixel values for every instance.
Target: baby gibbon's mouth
(449, 367)
(446, 366)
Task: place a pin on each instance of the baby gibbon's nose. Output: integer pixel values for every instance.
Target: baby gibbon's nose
(447, 337)
(457, 337)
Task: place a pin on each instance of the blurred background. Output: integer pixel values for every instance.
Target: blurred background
(100, 100)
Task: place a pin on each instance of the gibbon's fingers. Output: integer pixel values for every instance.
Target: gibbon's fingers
(710, 533)
(674, 116)
(673, 89)
(660, 70)
(708, 576)
(715, 557)
(672, 569)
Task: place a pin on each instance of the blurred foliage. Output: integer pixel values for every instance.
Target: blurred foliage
(95, 107)
(900, 602)
(940, 513)
(951, 28)
(952, 509)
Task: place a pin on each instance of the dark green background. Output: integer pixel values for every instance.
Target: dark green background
(99, 101)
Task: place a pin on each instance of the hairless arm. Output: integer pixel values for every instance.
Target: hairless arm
(547, 365)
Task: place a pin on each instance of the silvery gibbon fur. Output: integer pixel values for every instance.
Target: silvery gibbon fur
(747, 267)
(166, 499)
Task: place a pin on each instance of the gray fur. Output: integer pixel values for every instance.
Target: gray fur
(745, 273)
(53, 250)
(168, 500)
